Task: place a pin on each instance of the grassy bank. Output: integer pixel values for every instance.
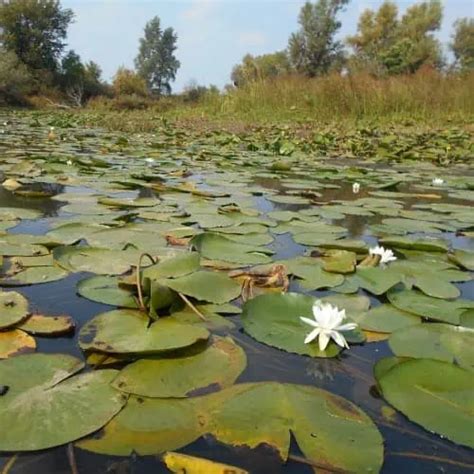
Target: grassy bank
(427, 97)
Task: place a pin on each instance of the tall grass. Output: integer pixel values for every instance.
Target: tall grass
(427, 97)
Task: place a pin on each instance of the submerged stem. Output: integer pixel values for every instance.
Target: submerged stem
(139, 280)
(9, 464)
(193, 308)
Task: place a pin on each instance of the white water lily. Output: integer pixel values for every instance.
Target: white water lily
(149, 160)
(386, 255)
(69, 162)
(327, 324)
(437, 182)
(356, 188)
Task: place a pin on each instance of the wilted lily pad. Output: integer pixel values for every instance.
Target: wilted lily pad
(41, 409)
(15, 342)
(41, 325)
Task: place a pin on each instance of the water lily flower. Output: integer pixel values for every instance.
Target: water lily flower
(327, 325)
(149, 160)
(386, 255)
(437, 182)
(69, 162)
(356, 188)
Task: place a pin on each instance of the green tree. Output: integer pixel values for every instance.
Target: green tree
(265, 66)
(386, 44)
(35, 31)
(462, 45)
(156, 61)
(313, 50)
(15, 80)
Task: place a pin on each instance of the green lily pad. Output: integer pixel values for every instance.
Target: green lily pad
(217, 247)
(205, 286)
(463, 258)
(106, 290)
(34, 276)
(128, 332)
(217, 366)
(13, 309)
(435, 309)
(385, 319)
(274, 319)
(174, 267)
(436, 395)
(435, 341)
(339, 261)
(329, 430)
(44, 408)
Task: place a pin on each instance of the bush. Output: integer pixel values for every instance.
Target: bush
(128, 83)
(15, 80)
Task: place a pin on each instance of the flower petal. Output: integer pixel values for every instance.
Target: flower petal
(339, 339)
(346, 327)
(312, 336)
(323, 340)
(311, 322)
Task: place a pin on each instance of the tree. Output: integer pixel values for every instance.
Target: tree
(128, 82)
(15, 80)
(386, 44)
(156, 62)
(463, 43)
(265, 66)
(313, 50)
(35, 31)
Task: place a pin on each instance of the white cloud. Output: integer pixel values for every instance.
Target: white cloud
(252, 39)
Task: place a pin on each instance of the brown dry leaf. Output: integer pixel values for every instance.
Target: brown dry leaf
(15, 342)
(376, 336)
(184, 464)
(181, 242)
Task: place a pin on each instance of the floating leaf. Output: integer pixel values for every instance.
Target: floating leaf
(274, 319)
(106, 290)
(463, 258)
(217, 366)
(435, 341)
(206, 286)
(436, 395)
(385, 319)
(44, 408)
(174, 267)
(179, 463)
(128, 332)
(15, 342)
(34, 275)
(40, 325)
(13, 309)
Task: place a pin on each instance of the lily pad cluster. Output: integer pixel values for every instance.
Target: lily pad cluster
(190, 242)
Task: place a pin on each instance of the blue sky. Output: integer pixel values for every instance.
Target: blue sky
(213, 35)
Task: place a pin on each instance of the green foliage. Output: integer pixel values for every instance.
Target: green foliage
(386, 44)
(128, 82)
(15, 80)
(313, 49)
(463, 43)
(35, 31)
(156, 62)
(265, 66)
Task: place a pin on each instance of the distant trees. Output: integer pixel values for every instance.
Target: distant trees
(386, 44)
(156, 62)
(15, 79)
(260, 67)
(462, 44)
(313, 50)
(35, 31)
(128, 82)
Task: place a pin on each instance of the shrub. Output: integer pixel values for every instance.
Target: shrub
(15, 80)
(128, 83)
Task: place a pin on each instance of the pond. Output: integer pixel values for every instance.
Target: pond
(153, 287)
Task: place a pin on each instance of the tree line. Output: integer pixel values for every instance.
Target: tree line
(386, 43)
(34, 59)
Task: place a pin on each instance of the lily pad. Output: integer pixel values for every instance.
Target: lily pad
(206, 286)
(463, 258)
(13, 309)
(106, 290)
(435, 341)
(436, 395)
(217, 366)
(34, 275)
(15, 342)
(128, 332)
(42, 409)
(41, 325)
(274, 319)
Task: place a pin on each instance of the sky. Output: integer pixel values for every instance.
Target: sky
(213, 35)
